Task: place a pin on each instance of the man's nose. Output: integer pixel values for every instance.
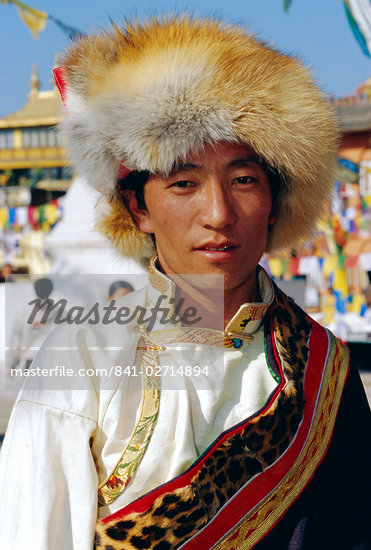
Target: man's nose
(217, 210)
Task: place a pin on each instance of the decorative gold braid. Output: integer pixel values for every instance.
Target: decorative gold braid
(133, 454)
(161, 283)
(246, 314)
(187, 335)
(260, 520)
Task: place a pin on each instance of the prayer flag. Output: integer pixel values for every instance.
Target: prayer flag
(275, 267)
(359, 17)
(287, 4)
(340, 302)
(71, 32)
(357, 303)
(51, 213)
(34, 19)
(4, 216)
(12, 218)
(340, 282)
(293, 266)
(330, 265)
(350, 261)
(365, 261)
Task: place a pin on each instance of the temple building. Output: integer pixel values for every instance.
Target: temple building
(354, 114)
(46, 216)
(32, 152)
(34, 175)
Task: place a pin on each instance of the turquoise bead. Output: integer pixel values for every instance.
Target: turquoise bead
(237, 343)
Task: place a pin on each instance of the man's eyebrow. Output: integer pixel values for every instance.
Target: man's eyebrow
(246, 161)
(241, 161)
(182, 167)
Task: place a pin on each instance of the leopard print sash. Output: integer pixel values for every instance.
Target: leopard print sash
(247, 450)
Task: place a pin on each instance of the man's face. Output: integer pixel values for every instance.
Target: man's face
(211, 214)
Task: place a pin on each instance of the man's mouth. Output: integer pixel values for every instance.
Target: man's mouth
(217, 249)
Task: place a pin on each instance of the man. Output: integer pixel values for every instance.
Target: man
(5, 271)
(211, 148)
(26, 338)
(118, 289)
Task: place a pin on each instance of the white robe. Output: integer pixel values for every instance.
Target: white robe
(62, 443)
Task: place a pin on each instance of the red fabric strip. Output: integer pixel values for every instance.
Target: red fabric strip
(61, 83)
(263, 484)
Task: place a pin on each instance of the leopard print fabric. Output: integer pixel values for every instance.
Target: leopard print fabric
(176, 516)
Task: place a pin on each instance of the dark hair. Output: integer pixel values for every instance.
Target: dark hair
(43, 288)
(136, 181)
(119, 284)
(275, 182)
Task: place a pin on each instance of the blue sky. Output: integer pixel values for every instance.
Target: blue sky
(315, 30)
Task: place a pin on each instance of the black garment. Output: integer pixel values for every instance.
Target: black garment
(334, 511)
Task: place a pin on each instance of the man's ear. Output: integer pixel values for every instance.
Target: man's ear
(141, 216)
(272, 217)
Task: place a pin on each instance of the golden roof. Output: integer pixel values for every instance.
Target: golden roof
(43, 108)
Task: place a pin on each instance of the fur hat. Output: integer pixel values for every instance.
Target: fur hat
(147, 94)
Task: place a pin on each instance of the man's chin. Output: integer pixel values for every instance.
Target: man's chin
(202, 281)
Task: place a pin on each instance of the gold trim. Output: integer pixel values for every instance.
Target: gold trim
(241, 335)
(10, 123)
(133, 454)
(247, 316)
(189, 335)
(269, 511)
(33, 164)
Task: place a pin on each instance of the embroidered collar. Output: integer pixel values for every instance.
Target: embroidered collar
(250, 315)
(247, 319)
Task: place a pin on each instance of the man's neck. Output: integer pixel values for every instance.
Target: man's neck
(209, 303)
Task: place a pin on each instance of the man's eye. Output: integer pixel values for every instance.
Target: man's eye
(244, 180)
(183, 184)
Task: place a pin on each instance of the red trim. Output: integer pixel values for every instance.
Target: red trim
(61, 82)
(263, 484)
(145, 502)
(318, 464)
(123, 172)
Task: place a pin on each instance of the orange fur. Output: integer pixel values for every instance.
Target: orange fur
(148, 94)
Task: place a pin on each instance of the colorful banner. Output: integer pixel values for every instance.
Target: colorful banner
(359, 17)
(35, 216)
(287, 4)
(358, 13)
(71, 32)
(36, 20)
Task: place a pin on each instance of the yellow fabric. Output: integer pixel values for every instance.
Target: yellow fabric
(33, 18)
(275, 266)
(51, 213)
(340, 281)
(4, 215)
(330, 264)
